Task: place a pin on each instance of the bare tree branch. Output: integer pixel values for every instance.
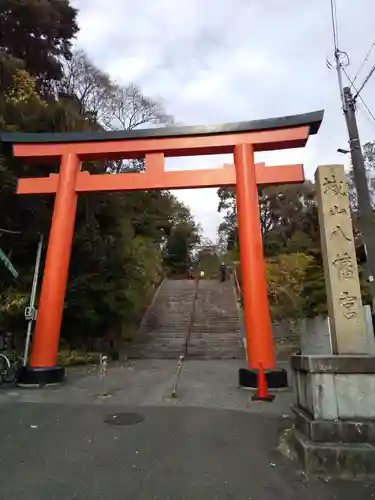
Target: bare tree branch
(131, 109)
(93, 88)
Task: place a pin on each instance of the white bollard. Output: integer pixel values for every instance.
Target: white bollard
(103, 374)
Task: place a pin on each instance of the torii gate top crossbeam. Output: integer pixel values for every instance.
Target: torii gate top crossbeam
(269, 134)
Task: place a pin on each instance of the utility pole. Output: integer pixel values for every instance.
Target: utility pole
(366, 214)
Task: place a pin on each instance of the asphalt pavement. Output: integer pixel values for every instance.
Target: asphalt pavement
(137, 442)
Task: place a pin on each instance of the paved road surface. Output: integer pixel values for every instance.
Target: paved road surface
(56, 445)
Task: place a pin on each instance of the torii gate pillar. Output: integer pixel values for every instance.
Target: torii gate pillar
(254, 284)
(52, 295)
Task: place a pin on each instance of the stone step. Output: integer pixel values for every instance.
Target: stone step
(215, 327)
(210, 347)
(155, 355)
(161, 340)
(203, 341)
(213, 336)
(158, 348)
(216, 318)
(166, 331)
(209, 355)
(166, 325)
(220, 328)
(235, 349)
(168, 334)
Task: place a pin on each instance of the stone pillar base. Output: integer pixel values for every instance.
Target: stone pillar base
(276, 378)
(40, 377)
(335, 414)
(336, 448)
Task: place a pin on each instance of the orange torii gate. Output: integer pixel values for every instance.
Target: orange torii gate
(242, 139)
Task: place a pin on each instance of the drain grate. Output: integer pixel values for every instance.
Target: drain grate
(124, 419)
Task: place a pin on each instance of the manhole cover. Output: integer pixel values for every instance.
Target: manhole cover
(124, 419)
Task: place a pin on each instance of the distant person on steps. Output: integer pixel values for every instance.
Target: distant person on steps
(223, 272)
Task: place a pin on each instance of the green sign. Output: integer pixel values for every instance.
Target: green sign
(8, 264)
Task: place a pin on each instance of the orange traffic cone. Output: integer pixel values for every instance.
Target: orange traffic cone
(262, 393)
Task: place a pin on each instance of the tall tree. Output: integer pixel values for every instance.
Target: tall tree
(286, 279)
(119, 238)
(183, 236)
(288, 217)
(92, 88)
(132, 109)
(227, 231)
(39, 33)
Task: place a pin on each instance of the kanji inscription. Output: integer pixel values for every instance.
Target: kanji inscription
(339, 232)
(335, 210)
(345, 310)
(334, 186)
(344, 264)
(349, 303)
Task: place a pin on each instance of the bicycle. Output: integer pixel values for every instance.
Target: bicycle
(10, 365)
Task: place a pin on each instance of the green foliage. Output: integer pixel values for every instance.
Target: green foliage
(286, 275)
(288, 218)
(290, 230)
(182, 237)
(369, 156)
(77, 358)
(39, 33)
(122, 242)
(209, 262)
(228, 235)
(314, 290)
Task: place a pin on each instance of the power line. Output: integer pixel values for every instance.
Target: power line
(365, 81)
(368, 115)
(341, 66)
(368, 109)
(364, 61)
(358, 95)
(337, 52)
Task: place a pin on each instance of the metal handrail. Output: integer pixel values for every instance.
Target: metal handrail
(182, 357)
(238, 286)
(238, 292)
(191, 320)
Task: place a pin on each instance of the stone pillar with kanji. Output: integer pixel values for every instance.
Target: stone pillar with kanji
(344, 303)
(335, 393)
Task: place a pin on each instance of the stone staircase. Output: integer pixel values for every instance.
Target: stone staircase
(200, 323)
(216, 329)
(165, 327)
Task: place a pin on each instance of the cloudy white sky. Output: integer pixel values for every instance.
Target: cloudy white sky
(214, 61)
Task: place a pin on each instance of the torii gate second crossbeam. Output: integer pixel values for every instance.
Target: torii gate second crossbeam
(70, 149)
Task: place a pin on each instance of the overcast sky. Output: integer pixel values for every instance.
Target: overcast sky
(213, 61)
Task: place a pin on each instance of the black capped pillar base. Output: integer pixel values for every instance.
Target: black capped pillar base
(40, 377)
(277, 378)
